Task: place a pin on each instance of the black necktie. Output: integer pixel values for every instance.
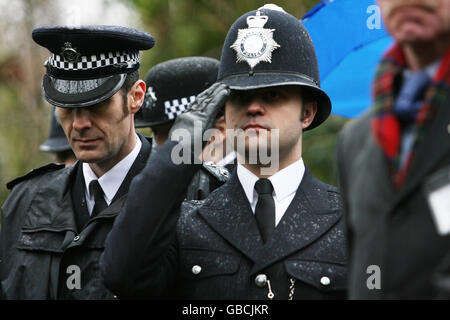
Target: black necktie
(265, 208)
(97, 191)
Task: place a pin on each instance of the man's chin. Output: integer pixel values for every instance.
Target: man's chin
(256, 153)
(88, 156)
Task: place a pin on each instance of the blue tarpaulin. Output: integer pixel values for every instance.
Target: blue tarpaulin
(350, 39)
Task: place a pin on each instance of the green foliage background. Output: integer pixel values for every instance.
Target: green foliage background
(181, 28)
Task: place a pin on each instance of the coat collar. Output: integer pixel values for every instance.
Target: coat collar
(136, 168)
(306, 219)
(52, 207)
(434, 146)
(363, 165)
(241, 230)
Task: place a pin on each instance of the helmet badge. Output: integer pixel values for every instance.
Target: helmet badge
(150, 99)
(255, 44)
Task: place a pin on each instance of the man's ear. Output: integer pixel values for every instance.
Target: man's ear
(136, 95)
(309, 112)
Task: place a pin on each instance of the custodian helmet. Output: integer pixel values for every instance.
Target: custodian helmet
(171, 86)
(269, 47)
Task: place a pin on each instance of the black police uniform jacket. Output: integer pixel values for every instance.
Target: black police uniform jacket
(216, 251)
(40, 238)
(391, 228)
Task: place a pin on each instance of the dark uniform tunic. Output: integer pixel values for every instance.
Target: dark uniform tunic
(212, 249)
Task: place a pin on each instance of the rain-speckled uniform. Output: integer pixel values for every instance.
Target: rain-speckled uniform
(217, 251)
(213, 249)
(220, 235)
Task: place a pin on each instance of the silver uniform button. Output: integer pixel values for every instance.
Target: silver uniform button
(261, 280)
(76, 238)
(325, 281)
(223, 172)
(196, 269)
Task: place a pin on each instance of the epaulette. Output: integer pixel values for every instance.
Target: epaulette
(334, 198)
(35, 172)
(220, 173)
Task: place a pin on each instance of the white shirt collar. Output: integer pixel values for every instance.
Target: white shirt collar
(285, 182)
(112, 180)
(430, 70)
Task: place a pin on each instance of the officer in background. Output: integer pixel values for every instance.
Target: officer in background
(276, 235)
(171, 86)
(55, 220)
(58, 144)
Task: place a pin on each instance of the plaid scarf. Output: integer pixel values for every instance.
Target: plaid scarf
(386, 127)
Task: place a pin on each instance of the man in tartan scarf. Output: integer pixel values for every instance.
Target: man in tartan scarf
(386, 157)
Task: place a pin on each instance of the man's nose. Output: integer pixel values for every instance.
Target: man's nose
(255, 106)
(81, 118)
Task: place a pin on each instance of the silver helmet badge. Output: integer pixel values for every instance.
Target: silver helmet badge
(255, 44)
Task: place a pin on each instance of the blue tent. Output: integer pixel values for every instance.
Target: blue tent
(350, 39)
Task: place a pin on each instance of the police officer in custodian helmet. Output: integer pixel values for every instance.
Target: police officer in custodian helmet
(265, 234)
(171, 86)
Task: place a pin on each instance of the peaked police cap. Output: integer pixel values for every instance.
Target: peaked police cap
(88, 64)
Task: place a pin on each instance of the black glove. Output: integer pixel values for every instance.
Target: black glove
(199, 116)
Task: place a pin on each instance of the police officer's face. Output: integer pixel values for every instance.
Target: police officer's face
(102, 134)
(256, 112)
(412, 21)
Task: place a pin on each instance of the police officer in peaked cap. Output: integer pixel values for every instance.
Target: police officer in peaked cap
(264, 234)
(58, 144)
(56, 219)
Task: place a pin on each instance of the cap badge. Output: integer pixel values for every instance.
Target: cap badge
(70, 54)
(255, 44)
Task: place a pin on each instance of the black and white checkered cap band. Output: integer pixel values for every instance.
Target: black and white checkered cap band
(175, 107)
(95, 61)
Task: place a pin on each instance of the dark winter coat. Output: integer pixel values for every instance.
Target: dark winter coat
(42, 242)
